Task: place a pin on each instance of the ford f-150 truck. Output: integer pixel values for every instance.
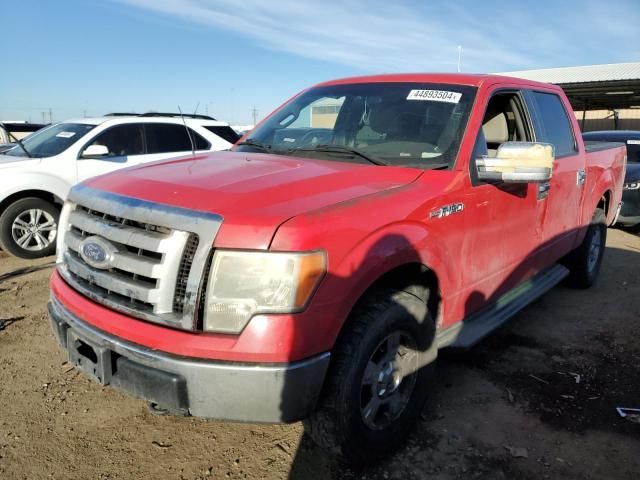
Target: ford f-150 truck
(314, 271)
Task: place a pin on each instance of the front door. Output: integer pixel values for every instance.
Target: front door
(125, 144)
(500, 217)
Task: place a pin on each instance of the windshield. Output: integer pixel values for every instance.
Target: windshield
(51, 141)
(406, 124)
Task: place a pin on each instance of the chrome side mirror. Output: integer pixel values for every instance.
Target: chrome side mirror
(518, 162)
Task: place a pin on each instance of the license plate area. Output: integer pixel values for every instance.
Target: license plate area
(95, 361)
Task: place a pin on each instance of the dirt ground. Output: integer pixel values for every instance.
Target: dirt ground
(536, 400)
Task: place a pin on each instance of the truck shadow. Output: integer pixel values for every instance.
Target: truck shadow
(310, 461)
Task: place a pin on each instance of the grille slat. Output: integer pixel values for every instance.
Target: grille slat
(126, 235)
(123, 260)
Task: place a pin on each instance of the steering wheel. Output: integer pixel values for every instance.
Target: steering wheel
(320, 136)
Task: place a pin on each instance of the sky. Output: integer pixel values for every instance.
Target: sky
(227, 57)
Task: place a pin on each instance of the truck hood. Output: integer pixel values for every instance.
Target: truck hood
(255, 193)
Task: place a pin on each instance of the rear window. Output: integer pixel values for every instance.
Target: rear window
(226, 133)
(168, 138)
(554, 125)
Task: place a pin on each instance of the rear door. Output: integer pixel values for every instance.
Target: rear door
(168, 140)
(559, 206)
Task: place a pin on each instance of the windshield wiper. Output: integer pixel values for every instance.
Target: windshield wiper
(339, 149)
(250, 142)
(18, 141)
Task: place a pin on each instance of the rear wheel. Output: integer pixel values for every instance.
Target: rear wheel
(28, 228)
(585, 261)
(378, 379)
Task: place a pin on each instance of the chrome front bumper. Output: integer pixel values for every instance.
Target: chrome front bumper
(279, 393)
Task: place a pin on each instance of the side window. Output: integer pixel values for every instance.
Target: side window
(504, 120)
(168, 138)
(226, 133)
(554, 126)
(122, 140)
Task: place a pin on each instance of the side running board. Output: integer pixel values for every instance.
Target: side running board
(478, 325)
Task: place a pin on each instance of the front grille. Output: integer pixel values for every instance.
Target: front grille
(155, 263)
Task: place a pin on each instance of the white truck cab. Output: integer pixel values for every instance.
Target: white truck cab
(36, 175)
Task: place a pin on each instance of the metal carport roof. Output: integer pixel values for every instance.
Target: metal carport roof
(593, 87)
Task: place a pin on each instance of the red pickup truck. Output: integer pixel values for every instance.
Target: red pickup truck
(314, 271)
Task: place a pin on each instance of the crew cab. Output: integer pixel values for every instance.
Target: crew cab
(37, 173)
(315, 271)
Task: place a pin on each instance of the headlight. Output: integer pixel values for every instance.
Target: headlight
(244, 283)
(63, 226)
(631, 186)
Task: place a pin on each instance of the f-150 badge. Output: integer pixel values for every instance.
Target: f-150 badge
(447, 210)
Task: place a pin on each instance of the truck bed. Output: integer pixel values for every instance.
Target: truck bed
(596, 145)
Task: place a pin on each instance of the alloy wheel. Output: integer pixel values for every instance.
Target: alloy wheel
(34, 230)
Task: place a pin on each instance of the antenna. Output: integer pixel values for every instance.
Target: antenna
(196, 109)
(459, 57)
(193, 147)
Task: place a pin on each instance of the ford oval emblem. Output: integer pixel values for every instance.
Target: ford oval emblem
(97, 252)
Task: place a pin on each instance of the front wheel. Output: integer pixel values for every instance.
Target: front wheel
(378, 379)
(28, 228)
(585, 261)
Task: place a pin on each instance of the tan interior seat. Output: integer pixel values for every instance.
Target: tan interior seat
(495, 128)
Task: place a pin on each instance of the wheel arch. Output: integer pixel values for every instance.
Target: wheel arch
(601, 195)
(605, 203)
(408, 258)
(415, 278)
(29, 193)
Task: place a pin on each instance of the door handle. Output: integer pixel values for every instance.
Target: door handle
(543, 190)
(581, 177)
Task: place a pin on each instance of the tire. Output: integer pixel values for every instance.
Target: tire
(585, 261)
(28, 228)
(352, 421)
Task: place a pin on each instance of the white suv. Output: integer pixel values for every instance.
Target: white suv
(36, 176)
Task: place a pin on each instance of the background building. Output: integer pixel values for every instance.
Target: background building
(603, 97)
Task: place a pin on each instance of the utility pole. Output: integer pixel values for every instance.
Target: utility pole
(233, 120)
(459, 58)
(254, 112)
(50, 115)
(43, 117)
